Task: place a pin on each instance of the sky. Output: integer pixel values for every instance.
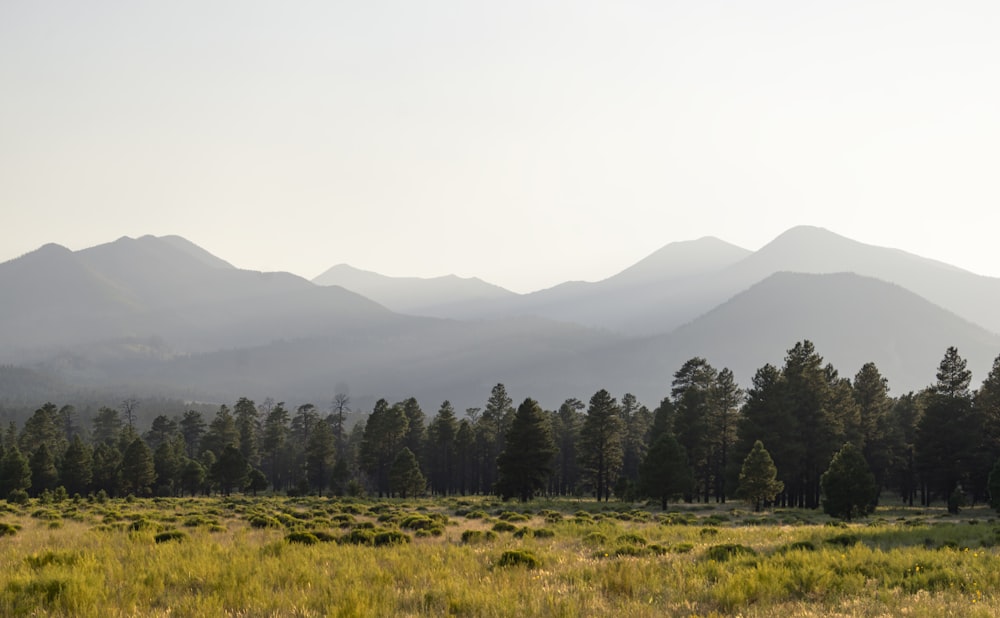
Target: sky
(526, 143)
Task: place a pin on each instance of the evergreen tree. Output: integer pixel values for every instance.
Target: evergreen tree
(193, 476)
(138, 470)
(727, 398)
(987, 404)
(405, 478)
(168, 462)
(491, 430)
(871, 393)
(222, 432)
(247, 420)
(567, 432)
(256, 481)
(230, 470)
(526, 462)
(319, 456)
(849, 487)
(274, 438)
(758, 477)
(416, 432)
(766, 418)
(467, 458)
(44, 475)
(107, 426)
(600, 447)
(192, 427)
(77, 470)
(441, 451)
(384, 433)
(693, 389)
(948, 432)
(161, 431)
(107, 468)
(808, 395)
(664, 473)
(43, 427)
(636, 420)
(15, 473)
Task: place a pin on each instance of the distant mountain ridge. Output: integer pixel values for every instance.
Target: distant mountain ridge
(434, 297)
(163, 314)
(683, 280)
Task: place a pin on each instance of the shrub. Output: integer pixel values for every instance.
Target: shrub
(358, 536)
(844, 540)
(478, 536)
(390, 537)
(7, 529)
(632, 539)
(504, 526)
(264, 521)
(595, 538)
(721, 553)
(18, 496)
(305, 538)
(519, 557)
(544, 533)
(171, 535)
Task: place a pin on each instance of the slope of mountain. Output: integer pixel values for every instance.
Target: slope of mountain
(155, 288)
(654, 295)
(448, 296)
(851, 319)
(816, 250)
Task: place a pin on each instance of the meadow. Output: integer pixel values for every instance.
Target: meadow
(278, 556)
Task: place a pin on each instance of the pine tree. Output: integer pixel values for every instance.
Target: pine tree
(600, 446)
(849, 489)
(758, 477)
(230, 470)
(384, 433)
(138, 470)
(664, 473)
(948, 432)
(441, 451)
(526, 462)
(44, 475)
(405, 478)
(77, 469)
(15, 473)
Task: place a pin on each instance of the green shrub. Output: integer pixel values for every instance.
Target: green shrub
(632, 539)
(721, 553)
(544, 533)
(171, 535)
(358, 536)
(264, 521)
(519, 557)
(390, 537)
(844, 540)
(18, 496)
(504, 526)
(7, 529)
(595, 538)
(305, 538)
(478, 536)
(512, 516)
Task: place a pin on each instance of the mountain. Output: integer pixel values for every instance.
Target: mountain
(163, 289)
(816, 250)
(446, 297)
(161, 315)
(851, 319)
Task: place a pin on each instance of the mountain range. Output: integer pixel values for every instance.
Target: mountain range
(159, 314)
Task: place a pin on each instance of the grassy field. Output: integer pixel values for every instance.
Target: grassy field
(481, 557)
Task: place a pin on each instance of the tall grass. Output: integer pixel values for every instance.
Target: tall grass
(595, 560)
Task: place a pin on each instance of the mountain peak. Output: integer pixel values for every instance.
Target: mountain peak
(682, 259)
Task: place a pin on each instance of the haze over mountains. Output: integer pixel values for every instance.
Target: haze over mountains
(162, 315)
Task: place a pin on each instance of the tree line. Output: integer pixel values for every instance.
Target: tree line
(936, 444)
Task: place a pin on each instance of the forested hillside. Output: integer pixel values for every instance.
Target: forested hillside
(938, 444)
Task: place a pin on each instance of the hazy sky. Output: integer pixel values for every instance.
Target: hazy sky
(523, 142)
